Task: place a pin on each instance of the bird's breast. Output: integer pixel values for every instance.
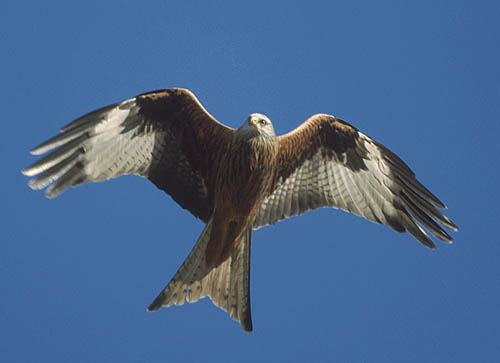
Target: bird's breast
(244, 177)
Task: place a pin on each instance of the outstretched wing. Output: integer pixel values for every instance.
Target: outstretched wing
(328, 163)
(166, 136)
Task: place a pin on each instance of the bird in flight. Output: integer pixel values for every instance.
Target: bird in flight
(236, 180)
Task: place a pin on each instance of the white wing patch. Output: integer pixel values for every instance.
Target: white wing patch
(384, 190)
(93, 148)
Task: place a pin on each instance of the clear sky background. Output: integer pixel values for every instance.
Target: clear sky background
(421, 77)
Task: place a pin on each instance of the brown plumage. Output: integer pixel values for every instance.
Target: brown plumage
(236, 181)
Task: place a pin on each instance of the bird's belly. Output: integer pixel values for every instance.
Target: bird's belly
(239, 200)
(239, 188)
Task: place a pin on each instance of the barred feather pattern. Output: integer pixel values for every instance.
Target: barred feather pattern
(321, 182)
(227, 285)
(118, 140)
(93, 148)
(384, 190)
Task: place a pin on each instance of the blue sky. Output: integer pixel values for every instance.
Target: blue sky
(423, 78)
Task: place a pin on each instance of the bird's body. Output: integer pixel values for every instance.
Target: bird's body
(238, 197)
(236, 180)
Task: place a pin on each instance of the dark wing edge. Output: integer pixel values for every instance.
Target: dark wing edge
(326, 162)
(161, 135)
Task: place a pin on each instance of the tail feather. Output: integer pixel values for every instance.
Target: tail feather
(227, 285)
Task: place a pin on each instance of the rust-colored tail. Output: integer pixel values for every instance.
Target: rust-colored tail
(227, 285)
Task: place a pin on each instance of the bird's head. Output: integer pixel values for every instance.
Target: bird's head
(257, 125)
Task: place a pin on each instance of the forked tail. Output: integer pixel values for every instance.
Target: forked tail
(227, 285)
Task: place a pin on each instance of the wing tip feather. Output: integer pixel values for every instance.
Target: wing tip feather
(39, 150)
(27, 172)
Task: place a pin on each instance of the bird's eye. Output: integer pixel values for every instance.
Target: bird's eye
(262, 121)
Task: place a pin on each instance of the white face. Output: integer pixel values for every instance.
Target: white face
(257, 125)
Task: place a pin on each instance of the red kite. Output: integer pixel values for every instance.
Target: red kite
(236, 181)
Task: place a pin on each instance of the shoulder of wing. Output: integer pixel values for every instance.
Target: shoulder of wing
(326, 135)
(176, 107)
